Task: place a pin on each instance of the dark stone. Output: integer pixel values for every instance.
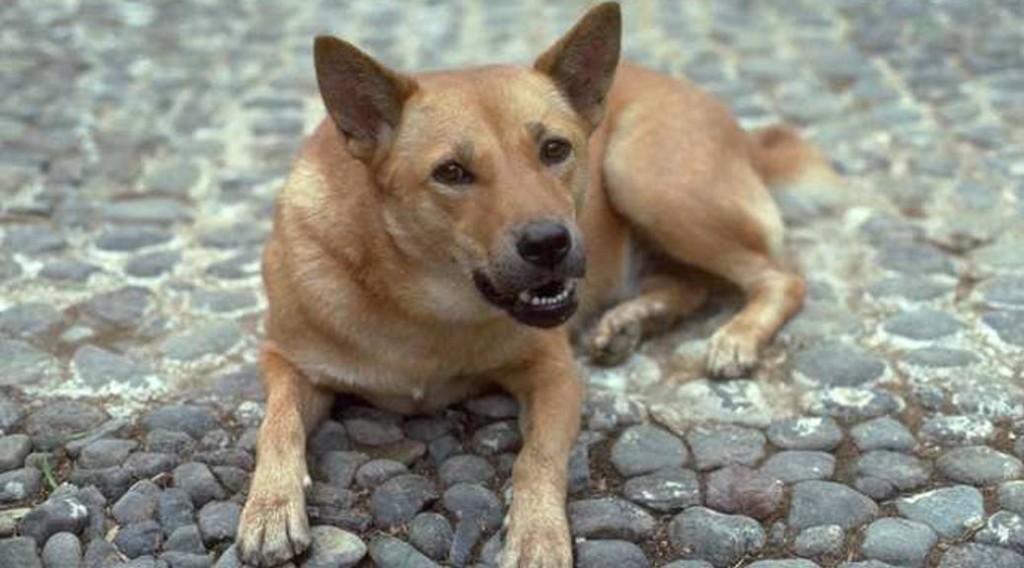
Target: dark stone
(645, 448)
(609, 517)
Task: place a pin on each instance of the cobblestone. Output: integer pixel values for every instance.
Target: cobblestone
(141, 145)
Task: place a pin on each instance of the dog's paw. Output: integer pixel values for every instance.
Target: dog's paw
(537, 536)
(273, 528)
(731, 354)
(616, 337)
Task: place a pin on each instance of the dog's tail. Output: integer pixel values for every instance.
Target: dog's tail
(782, 157)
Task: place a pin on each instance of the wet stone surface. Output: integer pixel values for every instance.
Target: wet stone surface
(141, 145)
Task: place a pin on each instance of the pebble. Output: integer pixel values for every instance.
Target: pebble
(62, 550)
(19, 484)
(497, 438)
(881, 474)
(666, 491)
(973, 555)
(789, 563)
(838, 365)
(170, 442)
(813, 542)
(218, 521)
(645, 448)
(817, 503)
(739, 489)
(805, 433)
(339, 468)
(922, 325)
(389, 552)
(214, 337)
(950, 511)
(493, 406)
(883, 433)
(794, 466)
(121, 309)
(1011, 496)
(137, 505)
(431, 534)
(60, 421)
(398, 499)
(899, 542)
(63, 511)
(330, 436)
(475, 504)
(30, 320)
(723, 540)
(375, 472)
(334, 548)
(139, 539)
(717, 445)
(978, 465)
(105, 453)
(186, 539)
(98, 368)
(198, 481)
(958, 430)
(465, 468)
(19, 551)
(13, 450)
(939, 357)
(1004, 529)
(610, 554)
(23, 364)
(609, 517)
(372, 433)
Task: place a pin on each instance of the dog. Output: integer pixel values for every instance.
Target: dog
(449, 232)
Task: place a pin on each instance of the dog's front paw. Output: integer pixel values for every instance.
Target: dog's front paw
(536, 538)
(616, 337)
(731, 353)
(273, 528)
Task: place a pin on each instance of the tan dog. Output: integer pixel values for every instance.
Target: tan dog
(430, 243)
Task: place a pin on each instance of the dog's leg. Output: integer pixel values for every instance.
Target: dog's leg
(662, 301)
(550, 395)
(274, 527)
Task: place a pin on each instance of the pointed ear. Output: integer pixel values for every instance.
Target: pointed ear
(363, 98)
(583, 62)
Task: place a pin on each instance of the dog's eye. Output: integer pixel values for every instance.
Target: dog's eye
(452, 173)
(555, 151)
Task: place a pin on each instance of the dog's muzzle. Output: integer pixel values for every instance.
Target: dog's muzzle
(548, 305)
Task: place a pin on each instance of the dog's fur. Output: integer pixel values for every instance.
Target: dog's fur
(374, 269)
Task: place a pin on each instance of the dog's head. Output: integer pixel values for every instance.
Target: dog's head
(481, 173)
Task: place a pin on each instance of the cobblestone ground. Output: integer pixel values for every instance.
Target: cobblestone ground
(142, 143)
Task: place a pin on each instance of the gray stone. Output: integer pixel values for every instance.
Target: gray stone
(852, 403)
(213, 337)
(973, 555)
(175, 177)
(170, 442)
(818, 541)
(1003, 292)
(222, 301)
(198, 481)
(493, 406)
(805, 433)
(152, 264)
(978, 465)
(911, 287)
(98, 367)
(63, 511)
(13, 450)
(473, 504)
(497, 438)
(1011, 496)
(717, 445)
(788, 563)
(137, 505)
(100, 553)
(330, 436)
(791, 467)
(939, 357)
(432, 534)
(33, 239)
(375, 472)
(914, 258)
(666, 490)
(111, 481)
(609, 517)
(465, 468)
(30, 320)
(339, 468)
(689, 564)
(186, 539)
(883, 433)
(19, 484)
(23, 364)
(62, 550)
(11, 413)
(922, 325)
(122, 309)
(950, 511)
(334, 548)
(825, 503)
(175, 509)
(838, 365)
(105, 453)
(193, 420)
(389, 552)
(610, 554)
(1008, 325)
(960, 430)
(68, 270)
(739, 489)
(899, 542)
(722, 540)
(218, 521)
(139, 539)
(646, 448)
(1004, 529)
(398, 499)
(881, 474)
(156, 210)
(368, 432)
(127, 239)
(20, 552)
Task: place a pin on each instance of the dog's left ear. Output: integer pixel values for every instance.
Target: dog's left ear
(583, 62)
(363, 97)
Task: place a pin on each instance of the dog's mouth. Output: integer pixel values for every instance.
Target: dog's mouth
(548, 305)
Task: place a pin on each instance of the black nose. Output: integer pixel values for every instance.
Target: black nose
(544, 243)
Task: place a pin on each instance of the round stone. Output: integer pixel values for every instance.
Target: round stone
(791, 467)
(817, 503)
(973, 555)
(922, 325)
(1004, 529)
(788, 563)
(214, 337)
(121, 309)
(739, 489)
(610, 554)
(137, 505)
(13, 450)
(882, 433)
(914, 258)
(1008, 325)
(666, 490)
(106, 453)
(332, 547)
(375, 472)
(432, 534)
(127, 239)
(174, 509)
(63, 511)
(1011, 496)
(950, 511)
(837, 365)
(199, 482)
(852, 403)
(339, 468)
(722, 540)
(609, 517)
(1003, 292)
(62, 549)
(882, 474)
(497, 438)
(139, 539)
(368, 432)
(474, 503)
(193, 420)
(389, 552)
(960, 430)
(218, 521)
(19, 551)
(718, 445)
(30, 320)
(23, 364)
(805, 433)
(465, 468)
(645, 448)
(899, 542)
(186, 539)
(916, 288)
(819, 541)
(978, 465)
(939, 357)
(397, 500)
(493, 406)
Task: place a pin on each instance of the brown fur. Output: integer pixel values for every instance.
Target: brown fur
(368, 270)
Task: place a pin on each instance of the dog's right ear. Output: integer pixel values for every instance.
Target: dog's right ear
(363, 98)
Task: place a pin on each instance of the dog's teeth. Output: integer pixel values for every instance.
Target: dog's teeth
(525, 297)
